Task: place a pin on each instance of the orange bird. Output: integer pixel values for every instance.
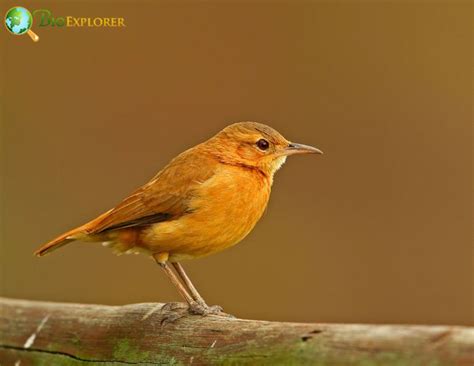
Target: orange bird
(205, 200)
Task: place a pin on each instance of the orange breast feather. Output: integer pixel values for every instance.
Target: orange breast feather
(223, 211)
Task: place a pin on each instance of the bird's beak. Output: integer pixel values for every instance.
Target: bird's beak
(294, 148)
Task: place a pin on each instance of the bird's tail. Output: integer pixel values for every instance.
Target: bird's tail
(60, 241)
(86, 232)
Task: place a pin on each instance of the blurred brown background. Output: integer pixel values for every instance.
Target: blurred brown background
(376, 230)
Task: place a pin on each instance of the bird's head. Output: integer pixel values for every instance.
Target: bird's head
(255, 145)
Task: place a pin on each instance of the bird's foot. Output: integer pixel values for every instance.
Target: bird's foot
(215, 309)
(173, 306)
(173, 311)
(203, 309)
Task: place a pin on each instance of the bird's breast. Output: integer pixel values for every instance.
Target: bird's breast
(224, 209)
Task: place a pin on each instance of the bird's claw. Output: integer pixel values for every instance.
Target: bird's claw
(172, 311)
(204, 310)
(215, 309)
(171, 318)
(173, 306)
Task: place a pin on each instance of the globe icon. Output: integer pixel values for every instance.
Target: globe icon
(19, 20)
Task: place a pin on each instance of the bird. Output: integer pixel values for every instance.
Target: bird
(207, 199)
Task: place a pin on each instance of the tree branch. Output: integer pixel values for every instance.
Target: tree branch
(37, 333)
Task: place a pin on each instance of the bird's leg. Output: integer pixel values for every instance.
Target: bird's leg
(214, 309)
(184, 277)
(194, 307)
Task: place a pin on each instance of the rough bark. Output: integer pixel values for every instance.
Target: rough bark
(41, 333)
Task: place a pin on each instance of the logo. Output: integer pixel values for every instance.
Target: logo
(18, 21)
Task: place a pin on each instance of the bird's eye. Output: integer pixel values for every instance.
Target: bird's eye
(263, 144)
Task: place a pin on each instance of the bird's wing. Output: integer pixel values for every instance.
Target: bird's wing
(165, 197)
